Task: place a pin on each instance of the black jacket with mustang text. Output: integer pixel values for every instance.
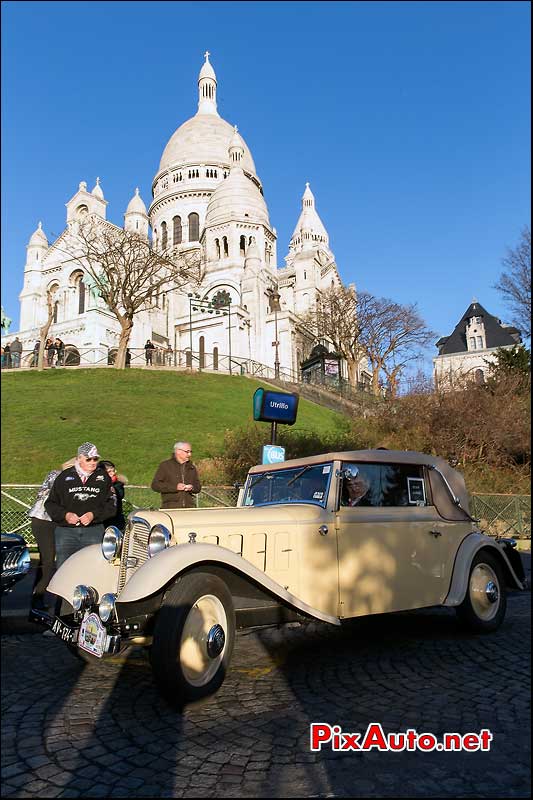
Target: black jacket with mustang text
(69, 493)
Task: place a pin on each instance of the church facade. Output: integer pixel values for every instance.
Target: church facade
(206, 194)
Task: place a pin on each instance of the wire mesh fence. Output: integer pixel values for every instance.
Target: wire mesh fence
(17, 500)
(503, 514)
(499, 514)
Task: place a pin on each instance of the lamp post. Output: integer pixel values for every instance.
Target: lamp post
(273, 299)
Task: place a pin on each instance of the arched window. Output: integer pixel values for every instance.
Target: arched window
(202, 352)
(479, 376)
(242, 245)
(194, 227)
(56, 310)
(164, 236)
(217, 248)
(176, 230)
(81, 295)
(215, 357)
(225, 244)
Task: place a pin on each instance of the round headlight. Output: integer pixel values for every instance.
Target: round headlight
(111, 543)
(106, 606)
(83, 597)
(158, 540)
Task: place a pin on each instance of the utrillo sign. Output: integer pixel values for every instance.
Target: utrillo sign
(275, 407)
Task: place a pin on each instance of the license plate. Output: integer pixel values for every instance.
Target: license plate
(64, 632)
(92, 636)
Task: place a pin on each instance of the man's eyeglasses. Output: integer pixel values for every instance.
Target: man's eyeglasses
(91, 459)
(184, 451)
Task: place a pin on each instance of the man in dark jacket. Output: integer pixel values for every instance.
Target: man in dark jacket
(177, 479)
(80, 499)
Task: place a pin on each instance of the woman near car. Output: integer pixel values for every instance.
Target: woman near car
(43, 529)
(118, 482)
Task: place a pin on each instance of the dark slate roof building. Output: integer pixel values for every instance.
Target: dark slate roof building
(475, 337)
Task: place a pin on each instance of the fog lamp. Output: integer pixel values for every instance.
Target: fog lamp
(84, 597)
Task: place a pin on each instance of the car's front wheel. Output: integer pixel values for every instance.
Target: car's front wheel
(193, 637)
(485, 603)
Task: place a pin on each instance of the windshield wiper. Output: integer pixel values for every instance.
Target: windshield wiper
(299, 474)
(257, 480)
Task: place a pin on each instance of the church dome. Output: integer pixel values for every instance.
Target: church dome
(136, 204)
(38, 237)
(203, 139)
(237, 197)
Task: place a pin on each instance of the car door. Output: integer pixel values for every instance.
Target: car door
(390, 540)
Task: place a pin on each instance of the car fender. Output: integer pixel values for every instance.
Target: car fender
(461, 571)
(87, 566)
(169, 564)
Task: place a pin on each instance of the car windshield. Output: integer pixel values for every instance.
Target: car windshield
(307, 484)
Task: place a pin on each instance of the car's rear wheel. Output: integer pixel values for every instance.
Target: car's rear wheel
(193, 638)
(485, 603)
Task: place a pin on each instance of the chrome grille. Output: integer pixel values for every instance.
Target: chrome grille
(10, 559)
(134, 549)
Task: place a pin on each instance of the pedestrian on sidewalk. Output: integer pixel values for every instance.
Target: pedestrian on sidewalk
(177, 479)
(80, 500)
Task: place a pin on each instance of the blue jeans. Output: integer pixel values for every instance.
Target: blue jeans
(70, 540)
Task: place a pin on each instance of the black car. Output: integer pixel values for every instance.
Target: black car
(15, 560)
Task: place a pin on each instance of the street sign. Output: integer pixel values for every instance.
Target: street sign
(273, 454)
(275, 407)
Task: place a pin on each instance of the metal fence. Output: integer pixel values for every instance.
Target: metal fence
(499, 514)
(503, 514)
(17, 499)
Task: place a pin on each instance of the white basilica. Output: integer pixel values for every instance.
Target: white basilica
(206, 191)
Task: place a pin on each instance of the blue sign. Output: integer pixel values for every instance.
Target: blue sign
(273, 454)
(275, 407)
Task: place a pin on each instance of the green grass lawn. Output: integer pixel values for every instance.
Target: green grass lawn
(133, 416)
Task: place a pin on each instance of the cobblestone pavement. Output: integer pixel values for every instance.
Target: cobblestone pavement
(69, 730)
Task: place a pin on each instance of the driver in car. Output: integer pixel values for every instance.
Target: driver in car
(355, 486)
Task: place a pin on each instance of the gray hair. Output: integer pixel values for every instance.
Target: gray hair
(180, 445)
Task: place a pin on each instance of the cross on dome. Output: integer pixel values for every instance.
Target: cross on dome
(206, 55)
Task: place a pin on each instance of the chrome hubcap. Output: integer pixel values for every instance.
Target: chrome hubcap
(216, 639)
(492, 592)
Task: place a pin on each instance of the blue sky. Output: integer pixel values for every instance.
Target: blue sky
(411, 121)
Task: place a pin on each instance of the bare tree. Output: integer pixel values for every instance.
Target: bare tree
(127, 272)
(335, 320)
(44, 330)
(515, 282)
(391, 336)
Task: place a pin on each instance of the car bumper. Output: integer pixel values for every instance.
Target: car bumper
(69, 633)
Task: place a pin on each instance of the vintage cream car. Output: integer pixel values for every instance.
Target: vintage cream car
(328, 537)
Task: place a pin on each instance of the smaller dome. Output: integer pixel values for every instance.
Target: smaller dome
(136, 204)
(237, 197)
(236, 140)
(97, 191)
(207, 70)
(38, 237)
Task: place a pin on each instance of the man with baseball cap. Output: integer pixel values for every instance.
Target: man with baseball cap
(80, 500)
